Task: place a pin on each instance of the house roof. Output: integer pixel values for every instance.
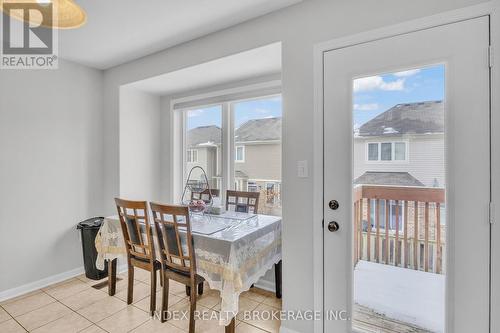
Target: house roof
(411, 118)
(387, 178)
(267, 129)
(204, 135)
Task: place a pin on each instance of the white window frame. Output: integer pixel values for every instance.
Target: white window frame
(242, 147)
(393, 151)
(178, 131)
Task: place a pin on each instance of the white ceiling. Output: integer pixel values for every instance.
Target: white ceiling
(261, 61)
(118, 31)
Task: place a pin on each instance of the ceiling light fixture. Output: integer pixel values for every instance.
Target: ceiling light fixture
(67, 14)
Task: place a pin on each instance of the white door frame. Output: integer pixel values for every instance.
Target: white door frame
(491, 8)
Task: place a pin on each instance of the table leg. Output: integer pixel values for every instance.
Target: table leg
(231, 327)
(111, 277)
(277, 278)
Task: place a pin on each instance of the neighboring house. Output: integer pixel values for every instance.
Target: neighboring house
(203, 149)
(257, 158)
(403, 146)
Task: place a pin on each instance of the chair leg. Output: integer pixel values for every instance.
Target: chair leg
(130, 289)
(231, 327)
(111, 277)
(161, 279)
(188, 291)
(164, 300)
(277, 278)
(192, 309)
(152, 298)
(200, 288)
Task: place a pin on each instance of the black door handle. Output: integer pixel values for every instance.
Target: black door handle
(333, 226)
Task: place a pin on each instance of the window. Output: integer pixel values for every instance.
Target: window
(386, 151)
(252, 187)
(240, 154)
(257, 138)
(238, 144)
(270, 193)
(399, 151)
(392, 214)
(373, 151)
(203, 144)
(192, 156)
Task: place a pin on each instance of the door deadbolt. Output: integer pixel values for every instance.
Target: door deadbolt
(333, 204)
(333, 226)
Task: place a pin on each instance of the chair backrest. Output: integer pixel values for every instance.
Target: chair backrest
(136, 229)
(174, 237)
(205, 195)
(240, 201)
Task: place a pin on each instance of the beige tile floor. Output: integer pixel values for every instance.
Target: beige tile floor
(74, 306)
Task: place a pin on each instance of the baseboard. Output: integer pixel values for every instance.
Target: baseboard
(287, 330)
(266, 285)
(29, 287)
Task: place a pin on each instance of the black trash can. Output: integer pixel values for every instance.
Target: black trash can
(89, 229)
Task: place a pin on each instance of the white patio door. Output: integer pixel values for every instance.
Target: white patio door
(407, 158)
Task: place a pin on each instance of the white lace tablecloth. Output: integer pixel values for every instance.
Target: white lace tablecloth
(230, 260)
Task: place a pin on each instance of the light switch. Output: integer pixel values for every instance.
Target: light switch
(302, 169)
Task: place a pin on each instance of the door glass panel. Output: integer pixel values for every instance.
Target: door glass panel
(399, 217)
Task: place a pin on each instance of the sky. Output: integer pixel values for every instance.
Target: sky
(243, 111)
(371, 96)
(376, 94)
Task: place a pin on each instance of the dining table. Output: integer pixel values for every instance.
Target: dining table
(232, 250)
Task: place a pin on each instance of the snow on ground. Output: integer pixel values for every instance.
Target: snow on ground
(404, 294)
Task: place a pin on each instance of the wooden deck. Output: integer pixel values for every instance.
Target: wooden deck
(367, 321)
(416, 239)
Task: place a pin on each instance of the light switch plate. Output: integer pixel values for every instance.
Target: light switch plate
(302, 169)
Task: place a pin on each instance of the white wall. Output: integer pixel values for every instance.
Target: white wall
(298, 27)
(166, 153)
(140, 144)
(51, 134)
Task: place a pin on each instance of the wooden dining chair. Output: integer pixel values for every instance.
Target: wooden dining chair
(241, 201)
(205, 195)
(137, 233)
(178, 260)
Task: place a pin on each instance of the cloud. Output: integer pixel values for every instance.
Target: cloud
(261, 111)
(195, 113)
(410, 72)
(366, 107)
(275, 99)
(377, 83)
